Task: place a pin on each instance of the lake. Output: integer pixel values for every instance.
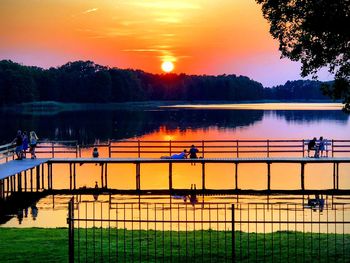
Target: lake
(183, 122)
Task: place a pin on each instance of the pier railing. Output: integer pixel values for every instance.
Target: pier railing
(207, 232)
(224, 148)
(7, 152)
(207, 148)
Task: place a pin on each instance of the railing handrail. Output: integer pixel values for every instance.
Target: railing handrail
(141, 147)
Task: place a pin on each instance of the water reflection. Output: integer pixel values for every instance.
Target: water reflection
(91, 125)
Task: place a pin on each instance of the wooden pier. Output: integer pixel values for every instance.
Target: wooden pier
(13, 174)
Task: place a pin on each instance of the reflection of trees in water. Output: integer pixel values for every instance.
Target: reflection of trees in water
(307, 116)
(86, 126)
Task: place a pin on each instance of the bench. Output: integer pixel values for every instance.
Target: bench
(327, 145)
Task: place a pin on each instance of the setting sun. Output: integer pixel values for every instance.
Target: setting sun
(167, 66)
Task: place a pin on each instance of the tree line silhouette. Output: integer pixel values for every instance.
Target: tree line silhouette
(87, 82)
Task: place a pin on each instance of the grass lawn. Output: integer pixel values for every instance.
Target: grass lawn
(111, 245)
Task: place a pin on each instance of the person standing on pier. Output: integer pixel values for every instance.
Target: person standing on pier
(33, 140)
(19, 145)
(25, 144)
(321, 147)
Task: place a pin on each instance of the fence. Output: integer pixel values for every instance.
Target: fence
(207, 232)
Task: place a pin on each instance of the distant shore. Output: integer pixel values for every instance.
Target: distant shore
(56, 107)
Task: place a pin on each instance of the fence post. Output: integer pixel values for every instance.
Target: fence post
(237, 148)
(53, 150)
(139, 148)
(70, 222)
(302, 147)
(203, 151)
(268, 148)
(332, 148)
(109, 148)
(170, 147)
(233, 234)
(7, 153)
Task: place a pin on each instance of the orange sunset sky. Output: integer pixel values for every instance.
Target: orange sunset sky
(198, 36)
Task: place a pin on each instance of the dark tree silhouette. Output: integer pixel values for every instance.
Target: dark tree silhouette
(87, 82)
(316, 33)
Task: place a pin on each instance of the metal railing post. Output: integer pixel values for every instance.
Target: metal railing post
(52, 149)
(233, 234)
(70, 221)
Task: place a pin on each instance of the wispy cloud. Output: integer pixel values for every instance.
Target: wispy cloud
(90, 11)
(167, 5)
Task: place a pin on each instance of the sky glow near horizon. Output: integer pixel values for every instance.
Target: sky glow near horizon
(198, 36)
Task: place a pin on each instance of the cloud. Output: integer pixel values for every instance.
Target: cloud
(90, 11)
(167, 5)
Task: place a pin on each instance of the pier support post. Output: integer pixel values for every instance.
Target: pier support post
(335, 176)
(102, 179)
(31, 179)
(19, 182)
(7, 186)
(1, 189)
(75, 176)
(302, 176)
(170, 176)
(106, 184)
(37, 178)
(203, 176)
(236, 176)
(70, 176)
(138, 177)
(42, 177)
(269, 176)
(25, 181)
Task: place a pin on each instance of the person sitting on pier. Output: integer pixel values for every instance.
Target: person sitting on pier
(95, 153)
(311, 146)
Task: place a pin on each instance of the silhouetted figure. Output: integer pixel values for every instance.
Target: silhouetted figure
(95, 153)
(316, 203)
(193, 153)
(321, 147)
(96, 194)
(25, 144)
(193, 195)
(34, 211)
(311, 146)
(20, 216)
(19, 145)
(33, 140)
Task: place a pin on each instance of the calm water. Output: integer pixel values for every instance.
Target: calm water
(177, 124)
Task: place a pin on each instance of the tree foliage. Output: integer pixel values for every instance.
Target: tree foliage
(316, 33)
(87, 82)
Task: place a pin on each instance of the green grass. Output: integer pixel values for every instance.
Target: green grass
(51, 245)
